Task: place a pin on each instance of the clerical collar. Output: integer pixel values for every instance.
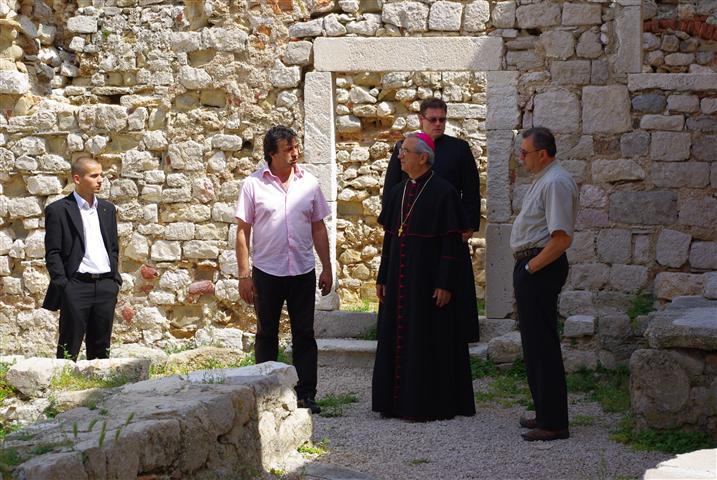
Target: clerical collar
(423, 177)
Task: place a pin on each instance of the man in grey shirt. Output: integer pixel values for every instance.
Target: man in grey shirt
(541, 234)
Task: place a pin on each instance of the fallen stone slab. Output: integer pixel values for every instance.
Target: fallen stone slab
(684, 328)
(203, 357)
(346, 352)
(192, 427)
(340, 324)
(135, 350)
(32, 376)
(701, 464)
(506, 348)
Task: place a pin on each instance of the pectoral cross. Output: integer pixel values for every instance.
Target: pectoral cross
(400, 230)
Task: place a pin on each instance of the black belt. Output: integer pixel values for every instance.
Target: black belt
(91, 277)
(528, 252)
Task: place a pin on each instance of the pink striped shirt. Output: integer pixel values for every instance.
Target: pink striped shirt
(282, 243)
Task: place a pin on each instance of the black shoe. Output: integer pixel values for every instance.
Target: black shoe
(527, 422)
(309, 403)
(541, 435)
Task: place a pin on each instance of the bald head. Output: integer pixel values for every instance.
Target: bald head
(80, 165)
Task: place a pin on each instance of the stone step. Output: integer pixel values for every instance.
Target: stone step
(349, 352)
(341, 324)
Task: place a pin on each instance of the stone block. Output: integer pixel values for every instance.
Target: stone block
(591, 217)
(708, 105)
(662, 122)
(628, 278)
(200, 249)
(710, 285)
(499, 271)
(506, 348)
(669, 285)
(495, 327)
(703, 255)
(614, 325)
(614, 245)
(650, 371)
(32, 376)
(698, 211)
(282, 76)
(43, 185)
(194, 78)
(583, 248)
(574, 359)
(558, 108)
(672, 248)
(502, 101)
(589, 45)
(689, 465)
(643, 208)
(23, 207)
(312, 28)
(166, 251)
(683, 103)
(575, 14)
(670, 146)
(224, 39)
(227, 142)
(579, 326)
(692, 328)
(525, 59)
(558, 44)
(476, 15)
(635, 143)
(592, 196)
(539, 15)
(691, 82)
(684, 174)
(702, 123)
(704, 147)
(608, 171)
(14, 83)
(446, 16)
(398, 54)
(319, 136)
(412, 16)
(571, 72)
(82, 24)
(339, 324)
(588, 276)
(503, 14)
(628, 28)
(649, 103)
(575, 302)
(500, 143)
(298, 53)
(606, 109)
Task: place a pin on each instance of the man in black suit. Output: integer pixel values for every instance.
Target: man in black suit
(81, 252)
(454, 162)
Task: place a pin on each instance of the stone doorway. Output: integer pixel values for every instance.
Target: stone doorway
(434, 54)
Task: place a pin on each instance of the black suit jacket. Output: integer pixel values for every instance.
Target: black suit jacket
(455, 163)
(65, 243)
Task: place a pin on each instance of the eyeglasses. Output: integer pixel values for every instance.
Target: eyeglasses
(405, 150)
(435, 119)
(524, 153)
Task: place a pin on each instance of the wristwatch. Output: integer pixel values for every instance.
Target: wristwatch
(527, 268)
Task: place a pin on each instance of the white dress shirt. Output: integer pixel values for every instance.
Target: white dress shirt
(96, 259)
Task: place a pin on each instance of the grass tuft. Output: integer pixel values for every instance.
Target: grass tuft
(507, 388)
(640, 305)
(6, 390)
(371, 333)
(69, 379)
(482, 368)
(333, 405)
(673, 440)
(315, 450)
(610, 388)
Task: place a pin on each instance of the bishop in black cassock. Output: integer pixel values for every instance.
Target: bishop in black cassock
(454, 162)
(422, 368)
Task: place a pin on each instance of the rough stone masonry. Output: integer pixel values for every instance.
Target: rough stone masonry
(173, 98)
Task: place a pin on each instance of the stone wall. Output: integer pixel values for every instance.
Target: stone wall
(173, 100)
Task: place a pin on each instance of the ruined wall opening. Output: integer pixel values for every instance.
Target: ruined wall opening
(374, 110)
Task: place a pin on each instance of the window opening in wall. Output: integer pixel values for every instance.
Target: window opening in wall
(374, 111)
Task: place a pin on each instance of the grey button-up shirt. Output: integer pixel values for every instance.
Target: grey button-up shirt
(549, 205)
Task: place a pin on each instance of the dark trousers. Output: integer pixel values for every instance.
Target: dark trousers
(298, 292)
(87, 307)
(537, 298)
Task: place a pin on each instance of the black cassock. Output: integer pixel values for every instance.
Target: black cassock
(422, 367)
(455, 163)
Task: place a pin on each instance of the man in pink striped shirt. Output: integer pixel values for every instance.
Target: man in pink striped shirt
(286, 209)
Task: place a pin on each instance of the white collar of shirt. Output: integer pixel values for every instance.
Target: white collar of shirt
(83, 204)
(298, 171)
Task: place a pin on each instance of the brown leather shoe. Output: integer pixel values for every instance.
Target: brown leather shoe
(540, 435)
(526, 422)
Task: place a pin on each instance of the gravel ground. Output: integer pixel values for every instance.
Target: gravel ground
(486, 446)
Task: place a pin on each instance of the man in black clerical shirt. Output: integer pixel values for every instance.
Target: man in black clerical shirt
(454, 162)
(422, 367)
